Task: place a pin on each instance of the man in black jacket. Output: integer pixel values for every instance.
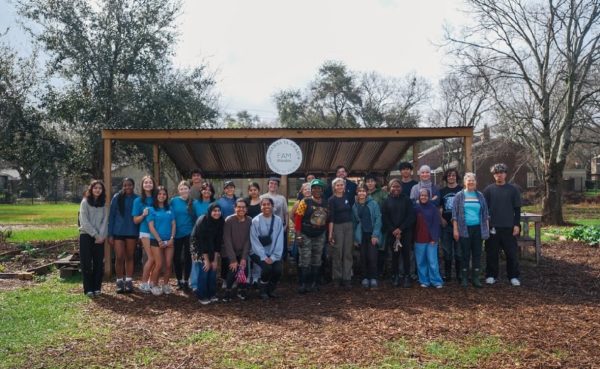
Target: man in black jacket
(398, 219)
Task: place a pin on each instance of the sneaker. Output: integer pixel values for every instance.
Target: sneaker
(515, 282)
(128, 287)
(156, 290)
(166, 289)
(144, 288)
(373, 283)
(120, 286)
(89, 294)
(490, 280)
(242, 296)
(438, 286)
(214, 299)
(204, 301)
(424, 285)
(365, 283)
(97, 293)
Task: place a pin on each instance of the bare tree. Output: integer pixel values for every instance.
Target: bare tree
(464, 102)
(538, 59)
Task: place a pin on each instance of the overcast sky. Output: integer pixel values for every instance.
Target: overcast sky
(261, 46)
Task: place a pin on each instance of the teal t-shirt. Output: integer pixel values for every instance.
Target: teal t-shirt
(200, 207)
(472, 209)
(183, 218)
(138, 209)
(162, 222)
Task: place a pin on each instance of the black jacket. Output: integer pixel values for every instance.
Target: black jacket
(398, 212)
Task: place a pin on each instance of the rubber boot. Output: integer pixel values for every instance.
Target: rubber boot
(475, 278)
(263, 287)
(407, 281)
(303, 288)
(271, 290)
(457, 266)
(313, 279)
(464, 281)
(396, 280)
(447, 270)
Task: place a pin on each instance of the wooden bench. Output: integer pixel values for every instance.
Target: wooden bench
(525, 239)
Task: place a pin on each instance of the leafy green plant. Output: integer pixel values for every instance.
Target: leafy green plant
(588, 234)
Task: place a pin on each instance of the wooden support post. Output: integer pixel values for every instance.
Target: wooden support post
(156, 163)
(415, 162)
(283, 186)
(468, 152)
(108, 186)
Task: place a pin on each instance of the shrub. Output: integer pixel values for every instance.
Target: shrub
(589, 234)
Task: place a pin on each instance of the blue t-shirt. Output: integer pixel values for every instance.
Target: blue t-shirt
(162, 222)
(138, 209)
(227, 206)
(200, 207)
(472, 209)
(183, 218)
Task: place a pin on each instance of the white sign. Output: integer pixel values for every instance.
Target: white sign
(284, 156)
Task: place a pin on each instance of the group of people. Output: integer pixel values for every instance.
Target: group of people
(402, 223)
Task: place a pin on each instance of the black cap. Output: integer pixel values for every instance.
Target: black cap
(228, 183)
(499, 168)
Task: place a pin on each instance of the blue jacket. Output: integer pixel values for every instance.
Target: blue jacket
(122, 224)
(375, 219)
(458, 215)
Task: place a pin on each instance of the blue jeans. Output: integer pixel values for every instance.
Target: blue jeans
(207, 283)
(428, 269)
(194, 275)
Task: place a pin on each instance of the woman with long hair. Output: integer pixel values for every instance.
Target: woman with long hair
(93, 221)
(161, 223)
(207, 239)
(140, 211)
(123, 234)
(207, 196)
(253, 199)
(182, 208)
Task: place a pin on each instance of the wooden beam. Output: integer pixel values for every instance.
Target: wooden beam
(276, 133)
(468, 152)
(416, 153)
(356, 155)
(190, 152)
(382, 148)
(156, 163)
(401, 154)
(107, 166)
(336, 147)
(218, 158)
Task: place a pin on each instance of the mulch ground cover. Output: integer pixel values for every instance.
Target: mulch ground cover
(551, 321)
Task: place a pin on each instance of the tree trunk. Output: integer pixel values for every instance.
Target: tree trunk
(552, 213)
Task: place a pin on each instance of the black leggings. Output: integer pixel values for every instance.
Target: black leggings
(271, 273)
(182, 259)
(92, 262)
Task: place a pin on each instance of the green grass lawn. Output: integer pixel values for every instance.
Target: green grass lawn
(36, 318)
(40, 222)
(39, 214)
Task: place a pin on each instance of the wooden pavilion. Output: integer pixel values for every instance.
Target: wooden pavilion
(240, 153)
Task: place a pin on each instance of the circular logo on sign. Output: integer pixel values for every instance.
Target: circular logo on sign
(284, 156)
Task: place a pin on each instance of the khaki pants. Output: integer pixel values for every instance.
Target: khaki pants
(341, 251)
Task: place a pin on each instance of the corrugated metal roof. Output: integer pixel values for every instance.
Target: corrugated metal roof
(238, 153)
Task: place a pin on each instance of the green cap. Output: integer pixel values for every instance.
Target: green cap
(317, 182)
